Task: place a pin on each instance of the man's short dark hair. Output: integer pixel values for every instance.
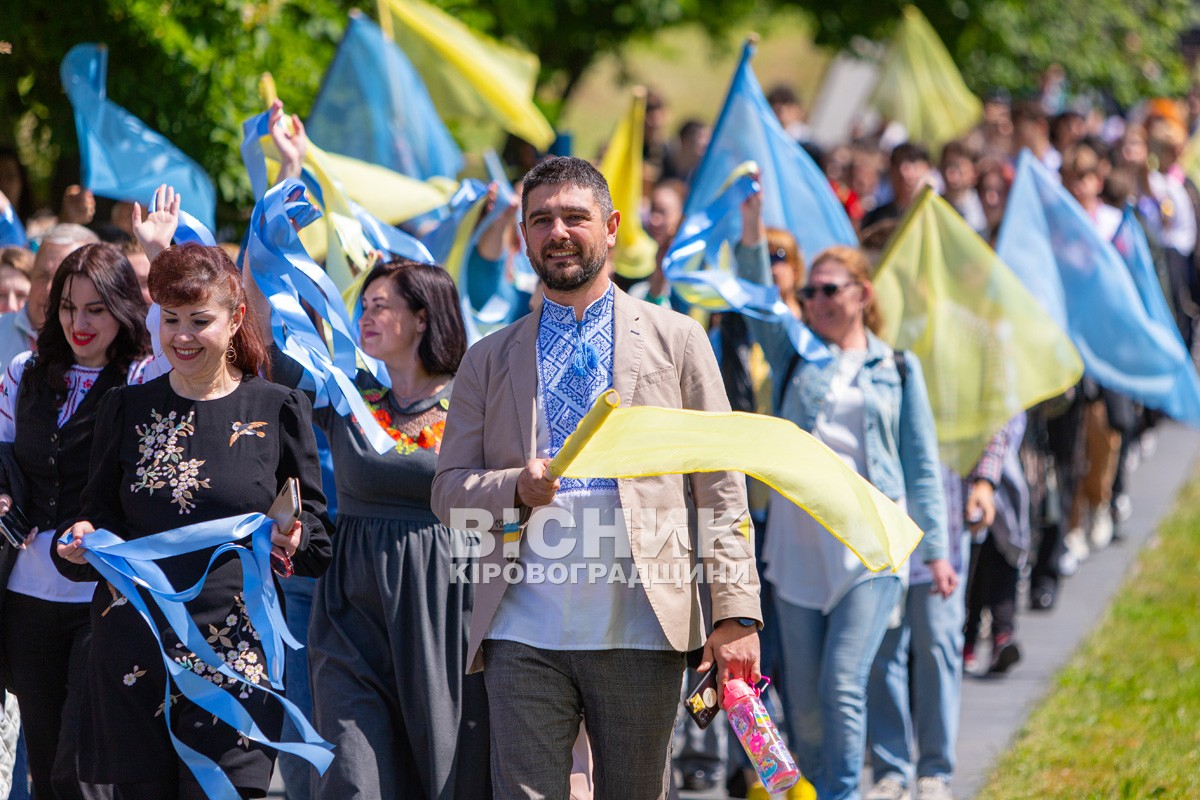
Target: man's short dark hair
(1029, 111)
(782, 94)
(907, 153)
(571, 171)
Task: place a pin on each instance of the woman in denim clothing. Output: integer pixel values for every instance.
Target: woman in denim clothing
(871, 410)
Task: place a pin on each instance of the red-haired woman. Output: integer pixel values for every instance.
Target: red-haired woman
(211, 439)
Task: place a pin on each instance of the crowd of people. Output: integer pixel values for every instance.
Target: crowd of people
(195, 414)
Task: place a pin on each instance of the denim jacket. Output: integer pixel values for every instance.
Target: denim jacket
(900, 439)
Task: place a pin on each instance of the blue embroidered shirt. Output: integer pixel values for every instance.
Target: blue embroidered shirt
(575, 366)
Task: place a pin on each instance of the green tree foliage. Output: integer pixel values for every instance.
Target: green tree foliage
(1128, 48)
(188, 68)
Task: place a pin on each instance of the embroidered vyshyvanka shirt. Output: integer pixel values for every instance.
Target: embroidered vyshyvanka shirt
(578, 589)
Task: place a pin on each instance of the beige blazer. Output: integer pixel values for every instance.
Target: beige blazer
(660, 358)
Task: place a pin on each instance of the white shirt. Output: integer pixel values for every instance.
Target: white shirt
(579, 613)
(34, 573)
(806, 564)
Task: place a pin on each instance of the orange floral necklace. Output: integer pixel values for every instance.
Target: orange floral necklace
(426, 437)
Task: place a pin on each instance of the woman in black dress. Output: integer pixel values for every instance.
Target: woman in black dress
(94, 339)
(208, 440)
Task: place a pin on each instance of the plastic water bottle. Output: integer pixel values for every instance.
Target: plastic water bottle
(759, 736)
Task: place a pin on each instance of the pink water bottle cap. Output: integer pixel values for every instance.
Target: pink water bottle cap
(737, 689)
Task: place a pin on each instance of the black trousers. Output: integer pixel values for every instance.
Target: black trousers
(993, 585)
(1064, 444)
(46, 644)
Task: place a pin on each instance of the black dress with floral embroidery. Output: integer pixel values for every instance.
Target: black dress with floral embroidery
(159, 462)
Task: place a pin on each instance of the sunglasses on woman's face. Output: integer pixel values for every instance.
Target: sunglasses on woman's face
(830, 290)
(778, 256)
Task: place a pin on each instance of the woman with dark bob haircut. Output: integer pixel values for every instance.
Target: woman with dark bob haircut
(388, 635)
(94, 339)
(208, 440)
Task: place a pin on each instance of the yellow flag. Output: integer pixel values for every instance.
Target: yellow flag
(636, 252)
(641, 441)
(987, 348)
(470, 76)
(920, 87)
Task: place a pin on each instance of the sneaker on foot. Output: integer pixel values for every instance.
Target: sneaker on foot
(933, 788)
(1122, 507)
(890, 788)
(1100, 532)
(1005, 653)
(970, 662)
(1076, 543)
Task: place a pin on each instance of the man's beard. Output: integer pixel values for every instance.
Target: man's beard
(570, 278)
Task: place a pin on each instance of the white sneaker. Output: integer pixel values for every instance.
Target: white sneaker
(887, 789)
(933, 788)
(1100, 532)
(1123, 507)
(1076, 544)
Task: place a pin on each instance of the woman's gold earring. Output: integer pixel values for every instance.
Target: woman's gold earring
(231, 354)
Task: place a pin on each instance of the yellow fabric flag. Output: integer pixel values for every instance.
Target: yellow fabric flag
(987, 348)
(622, 167)
(641, 441)
(470, 76)
(920, 87)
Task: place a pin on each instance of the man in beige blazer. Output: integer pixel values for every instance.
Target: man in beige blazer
(588, 611)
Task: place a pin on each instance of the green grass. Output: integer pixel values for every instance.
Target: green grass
(1123, 718)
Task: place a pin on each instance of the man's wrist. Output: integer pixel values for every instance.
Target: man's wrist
(747, 623)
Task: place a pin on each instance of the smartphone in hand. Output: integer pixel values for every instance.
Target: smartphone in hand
(702, 702)
(14, 526)
(284, 512)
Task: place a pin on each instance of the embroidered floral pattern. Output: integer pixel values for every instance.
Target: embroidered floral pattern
(422, 431)
(234, 641)
(131, 677)
(161, 462)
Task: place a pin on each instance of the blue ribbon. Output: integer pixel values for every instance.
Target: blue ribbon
(129, 565)
(287, 275)
(698, 245)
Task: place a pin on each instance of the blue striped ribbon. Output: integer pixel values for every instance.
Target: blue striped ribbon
(694, 256)
(287, 275)
(130, 565)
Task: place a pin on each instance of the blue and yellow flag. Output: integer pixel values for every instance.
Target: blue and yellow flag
(372, 106)
(920, 87)
(121, 158)
(471, 77)
(796, 195)
(987, 349)
(1081, 282)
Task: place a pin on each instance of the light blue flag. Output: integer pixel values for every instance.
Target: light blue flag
(121, 158)
(1081, 281)
(12, 232)
(1183, 403)
(797, 196)
(373, 106)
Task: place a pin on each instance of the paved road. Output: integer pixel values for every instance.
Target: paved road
(993, 710)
